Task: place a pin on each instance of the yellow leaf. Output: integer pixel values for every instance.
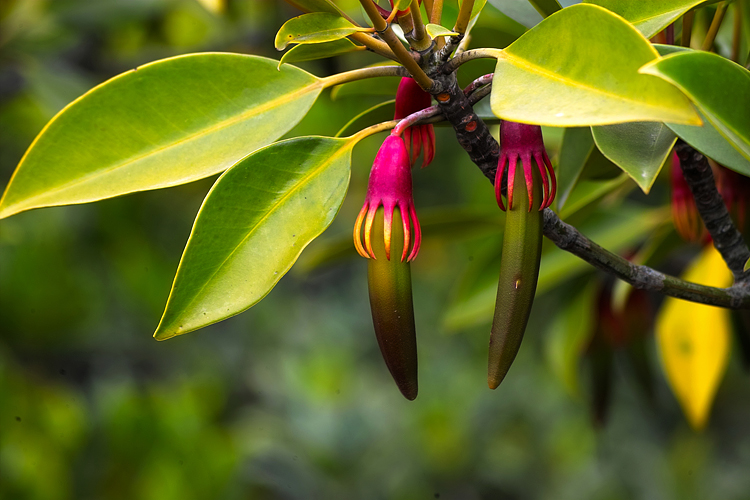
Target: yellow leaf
(693, 340)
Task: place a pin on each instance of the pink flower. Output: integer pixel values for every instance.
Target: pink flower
(390, 187)
(410, 98)
(524, 142)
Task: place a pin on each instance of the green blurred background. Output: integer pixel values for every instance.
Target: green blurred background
(291, 399)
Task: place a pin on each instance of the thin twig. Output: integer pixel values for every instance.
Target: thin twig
(420, 40)
(464, 16)
(708, 42)
(470, 55)
(403, 55)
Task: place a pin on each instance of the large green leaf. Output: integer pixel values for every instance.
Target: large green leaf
(711, 143)
(649, 16)
(316, 27)
(310, 52)
(638, 148)
(719, 87)
(615, 230)
(162, 124)
(253, 224)
(580, 67)
(577, 145)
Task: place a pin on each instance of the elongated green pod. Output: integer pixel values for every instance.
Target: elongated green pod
(519, 270)
(389, 283)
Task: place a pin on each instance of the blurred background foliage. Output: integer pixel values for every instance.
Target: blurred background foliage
(291, 399)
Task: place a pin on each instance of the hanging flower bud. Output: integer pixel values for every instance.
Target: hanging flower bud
(389, 195)
(389, 187)
(524, 142)
(410, 98)
(684, 212)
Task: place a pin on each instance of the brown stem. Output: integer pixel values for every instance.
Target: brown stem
(727, 239)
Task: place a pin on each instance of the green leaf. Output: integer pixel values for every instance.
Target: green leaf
(435, 30)
(316, 27)
(615, 230)
(568, 335)
(253, 224)
(162, 124)
(577, 145)
(401, 4)
(651, 16)
(711, 143)
(747, 265)
(581, 64)
(638, 148)
(520, 11)
(381, 112)
(718, 87)
(310, 52)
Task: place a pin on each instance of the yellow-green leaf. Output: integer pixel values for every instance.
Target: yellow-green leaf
(162, 124)
(693, 340)
(253, 225)
(435, 30)
(316, 27)
(719, 87)
(580, 67)
(648, 16)
(310, 52)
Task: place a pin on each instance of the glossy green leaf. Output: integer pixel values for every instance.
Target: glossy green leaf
(649, 16)
(401, 4)
(381, 112)
(316, 27)
(580, 67)
(718, 87)
(638, 148)
(520, 11)
(747, 265)
(711, 143)
(311, 52)
(577, 145)
(568, 335)
(435, 30)
(253, 224)
(615, 230)
(162, 124)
